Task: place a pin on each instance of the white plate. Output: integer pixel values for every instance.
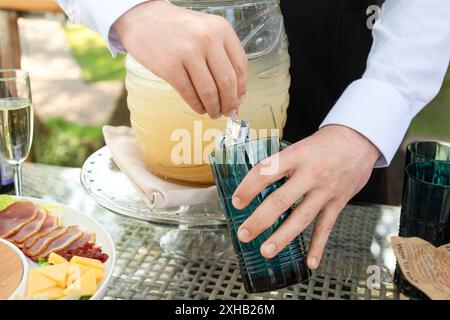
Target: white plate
(70, 217)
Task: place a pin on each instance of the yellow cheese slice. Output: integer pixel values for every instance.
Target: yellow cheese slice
(87, 262)
(76, 271)
(38, 282)
(55, 258)
(87, 285)
(71, 294)
(99, 275)
(57, 273)
(51, 294)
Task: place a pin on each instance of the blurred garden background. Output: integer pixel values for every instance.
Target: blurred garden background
(78, 87)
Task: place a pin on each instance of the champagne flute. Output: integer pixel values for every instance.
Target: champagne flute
(16, 120)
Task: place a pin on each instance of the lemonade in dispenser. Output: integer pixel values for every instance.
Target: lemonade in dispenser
(165, 125)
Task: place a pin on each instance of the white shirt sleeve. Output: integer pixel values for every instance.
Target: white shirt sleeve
(100, 16)
(405, 70)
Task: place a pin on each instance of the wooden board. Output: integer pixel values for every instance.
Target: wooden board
(30, 5)
(11, 271)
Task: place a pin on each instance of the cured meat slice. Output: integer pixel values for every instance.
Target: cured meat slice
(49, 224)
(87, 237)
(30, 229)
(61, 243)
(43, 242)
(14, 217)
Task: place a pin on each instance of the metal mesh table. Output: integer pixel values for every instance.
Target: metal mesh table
(357, 264)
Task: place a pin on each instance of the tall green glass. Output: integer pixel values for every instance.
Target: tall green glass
(230, 165)
(425, 210)
(416, 152)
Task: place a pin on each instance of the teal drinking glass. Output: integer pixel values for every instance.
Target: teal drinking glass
(415, 152)
(230, 165)
(425, 210)
(427, 150)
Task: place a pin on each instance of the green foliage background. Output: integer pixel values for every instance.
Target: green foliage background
(434, 120)
(64, 143)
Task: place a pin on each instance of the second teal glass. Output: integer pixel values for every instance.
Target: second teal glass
(230, 165)
(426, 201)
(426, 151)
(425, 211)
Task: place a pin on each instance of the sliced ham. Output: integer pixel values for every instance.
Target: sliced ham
(50, 223)
(17, 215)
(85, 238)
(30, 229)
(61, 243)
(43, 242)
(37, 232)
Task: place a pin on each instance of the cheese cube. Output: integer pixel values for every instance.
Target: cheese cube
(88, 262)
(51, 294)
(57, 273)
(86, 285)
(55, 258)
(38, 282)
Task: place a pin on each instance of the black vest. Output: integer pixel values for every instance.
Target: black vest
(329, 43)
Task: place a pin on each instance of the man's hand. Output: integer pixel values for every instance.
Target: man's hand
(327, 169)
(198, 54)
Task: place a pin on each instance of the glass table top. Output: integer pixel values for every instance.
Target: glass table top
(358, 261)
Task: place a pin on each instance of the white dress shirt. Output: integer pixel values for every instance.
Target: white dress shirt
(405, 69)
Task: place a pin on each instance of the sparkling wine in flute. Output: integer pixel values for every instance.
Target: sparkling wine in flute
(16, 128)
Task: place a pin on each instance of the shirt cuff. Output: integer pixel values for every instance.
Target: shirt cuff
(105, 21)
(377, 111)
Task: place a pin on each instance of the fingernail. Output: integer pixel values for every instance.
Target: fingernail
(241, 100)
(216, 116)
(232, 113)
(243, 235)
(236, 202)
(312, 262)
(269, 249)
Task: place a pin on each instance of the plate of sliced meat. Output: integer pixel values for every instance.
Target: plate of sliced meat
(70, 255)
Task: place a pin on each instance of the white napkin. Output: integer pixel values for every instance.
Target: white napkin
(156, 192)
